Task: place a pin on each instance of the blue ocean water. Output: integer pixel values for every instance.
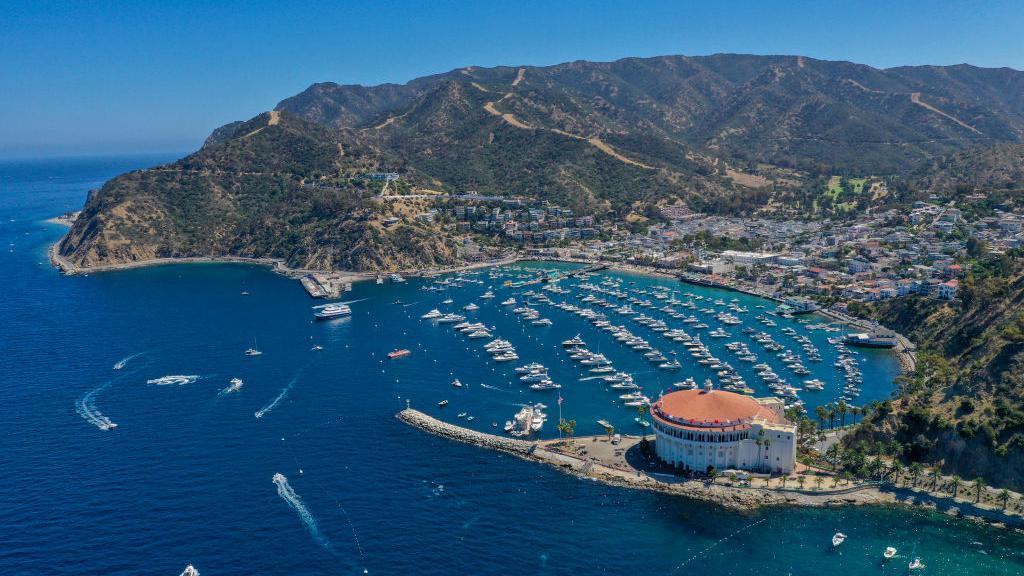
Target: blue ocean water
(188, 475)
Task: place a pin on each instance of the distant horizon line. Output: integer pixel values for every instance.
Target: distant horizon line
(13, 158)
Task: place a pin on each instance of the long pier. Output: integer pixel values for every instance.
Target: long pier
(587, 270)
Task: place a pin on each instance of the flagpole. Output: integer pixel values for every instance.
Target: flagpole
(560, 415)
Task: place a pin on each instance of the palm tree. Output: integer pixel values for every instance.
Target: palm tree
(876, 468)
(800, 480)
(767, 443)
(1004, 497)
(784, 478)
(818, 480)
(954, 485)
(896, 470)
(979, 486)
(610, 431)
(821, 412)
(934, 475)
(567, 427)
(915, 472)
(842, 409)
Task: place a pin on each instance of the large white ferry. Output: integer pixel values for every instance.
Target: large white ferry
(333, 311)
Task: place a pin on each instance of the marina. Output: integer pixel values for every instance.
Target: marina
(693, 335)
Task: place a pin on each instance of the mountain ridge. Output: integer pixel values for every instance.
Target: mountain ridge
(726, 133)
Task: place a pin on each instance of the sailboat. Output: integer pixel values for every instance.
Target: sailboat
(254, 351)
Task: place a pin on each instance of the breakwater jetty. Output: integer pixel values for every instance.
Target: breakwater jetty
(437, 427)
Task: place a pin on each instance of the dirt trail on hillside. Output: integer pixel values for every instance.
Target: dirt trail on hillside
(915, 97)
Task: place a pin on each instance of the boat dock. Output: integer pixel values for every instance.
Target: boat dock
(330, 284)
(587, 270)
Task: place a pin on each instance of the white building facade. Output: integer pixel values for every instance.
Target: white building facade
(699, 429)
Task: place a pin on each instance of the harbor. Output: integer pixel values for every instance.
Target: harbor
(326, 392)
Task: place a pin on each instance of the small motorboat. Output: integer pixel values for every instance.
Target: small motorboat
(456, 383)
(233, 386)
(442, 403)
(398, 353)
(916, 564)
(838, 539)
(889, 552)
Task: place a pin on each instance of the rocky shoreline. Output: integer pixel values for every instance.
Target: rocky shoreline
(735, 498)
(739, 499)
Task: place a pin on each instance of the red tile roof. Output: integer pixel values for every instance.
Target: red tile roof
(715, 409)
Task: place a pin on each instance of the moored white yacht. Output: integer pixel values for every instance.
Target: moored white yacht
(575, 341)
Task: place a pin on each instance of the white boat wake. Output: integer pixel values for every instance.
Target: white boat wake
(121, 363)
(284, 490)
(86, 408)
(173, 380)
(277, 399)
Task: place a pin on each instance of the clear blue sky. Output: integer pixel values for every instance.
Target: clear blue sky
(103, 77)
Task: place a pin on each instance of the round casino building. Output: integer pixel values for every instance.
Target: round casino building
(698, 429)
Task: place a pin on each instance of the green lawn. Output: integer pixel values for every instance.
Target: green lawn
(834, 189)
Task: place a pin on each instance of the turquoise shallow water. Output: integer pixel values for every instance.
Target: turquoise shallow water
(187, 475)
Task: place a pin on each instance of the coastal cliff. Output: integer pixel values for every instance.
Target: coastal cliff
(278, 188)
(961, 410)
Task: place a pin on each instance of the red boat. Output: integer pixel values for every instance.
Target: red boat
(398, 353)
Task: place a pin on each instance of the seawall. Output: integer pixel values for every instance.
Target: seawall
(736, 498)
(559, 454)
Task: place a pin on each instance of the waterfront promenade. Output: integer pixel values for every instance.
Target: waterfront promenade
(595, 457)
(625, 465)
